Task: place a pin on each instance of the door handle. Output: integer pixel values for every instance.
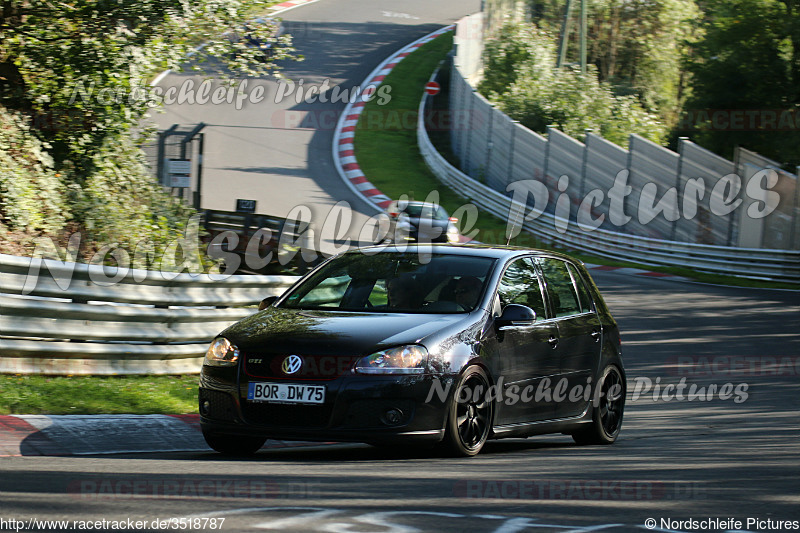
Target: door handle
(596, 335)
(553, 342)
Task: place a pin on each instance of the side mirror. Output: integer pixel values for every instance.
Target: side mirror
(267, 302)
(516, 315)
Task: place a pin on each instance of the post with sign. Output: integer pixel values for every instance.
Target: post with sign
(432, 88)
(245, 206)
(179, 161)
(179, 173)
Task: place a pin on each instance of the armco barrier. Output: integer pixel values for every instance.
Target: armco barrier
(745, 262)
(73, 318)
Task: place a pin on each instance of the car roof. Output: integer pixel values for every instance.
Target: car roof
(422, 204)
(494, 251)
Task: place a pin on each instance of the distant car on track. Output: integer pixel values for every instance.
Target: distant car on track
(426, 344)
(422, 222)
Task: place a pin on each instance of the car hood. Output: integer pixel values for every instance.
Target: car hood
(279, 330)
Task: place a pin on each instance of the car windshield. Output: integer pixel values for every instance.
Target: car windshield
(433, 212)
(394, 282)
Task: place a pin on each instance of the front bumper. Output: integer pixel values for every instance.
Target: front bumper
(356, 409)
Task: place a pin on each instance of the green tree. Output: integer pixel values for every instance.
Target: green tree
(73, 81)
(51, 49)
(640, 48)
(747, 61)
(637, 46)
(32, 195)
(534, 92)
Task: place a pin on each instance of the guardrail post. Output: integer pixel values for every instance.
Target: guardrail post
(585, 162)
(547, 154)
(511, 149)
(198, 193)
(466, 163)
(681, 140)
(794, 239)
(489, 146)
(733, 219)
(246, 224)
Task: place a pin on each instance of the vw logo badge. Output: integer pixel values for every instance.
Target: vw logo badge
(292, 364)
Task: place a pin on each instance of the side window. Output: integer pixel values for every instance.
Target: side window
(520, 285)
(560, 287)
(329, 293)
(583, 293)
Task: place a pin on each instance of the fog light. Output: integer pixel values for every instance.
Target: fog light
(393, 417)
(205, 407)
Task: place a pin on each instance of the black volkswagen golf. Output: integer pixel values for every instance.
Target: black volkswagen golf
(431, 344)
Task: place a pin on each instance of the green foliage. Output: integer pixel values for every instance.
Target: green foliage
(685, 59)
(79, 69)
(391, 160)
(540, 95)
(58, 53)
(31, 192)
(638, 46)
(516, 46)
(121, 203)
(747, 60)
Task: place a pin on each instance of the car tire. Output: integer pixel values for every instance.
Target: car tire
(607, 411)
(237, 445)
(469, 420)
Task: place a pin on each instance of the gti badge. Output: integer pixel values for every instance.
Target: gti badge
(292, 364)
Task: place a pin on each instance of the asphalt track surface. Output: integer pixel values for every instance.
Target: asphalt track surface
(278, 151)
(675, 460)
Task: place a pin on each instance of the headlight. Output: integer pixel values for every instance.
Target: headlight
(221, 353)
(452, 233)
(410, 359)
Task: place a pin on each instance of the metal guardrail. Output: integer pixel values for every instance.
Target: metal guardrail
(68, 318)
(264, 243)
(243, 224)
(743, 262)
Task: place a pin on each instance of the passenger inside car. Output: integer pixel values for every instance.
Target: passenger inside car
(403, 292)
(467, 291)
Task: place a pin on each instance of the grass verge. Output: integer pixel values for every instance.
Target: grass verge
(387, 152)
(87, 395)
(386, 139)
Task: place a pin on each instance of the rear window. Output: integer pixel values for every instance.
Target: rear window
(583, 292)
(433, 212)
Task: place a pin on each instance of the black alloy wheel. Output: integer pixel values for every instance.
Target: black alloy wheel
(470, 415)
(607, 410)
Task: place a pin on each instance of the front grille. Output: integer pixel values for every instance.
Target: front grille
(316, 367)
(282, 415)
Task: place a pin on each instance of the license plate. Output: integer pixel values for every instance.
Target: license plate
(285, 393)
